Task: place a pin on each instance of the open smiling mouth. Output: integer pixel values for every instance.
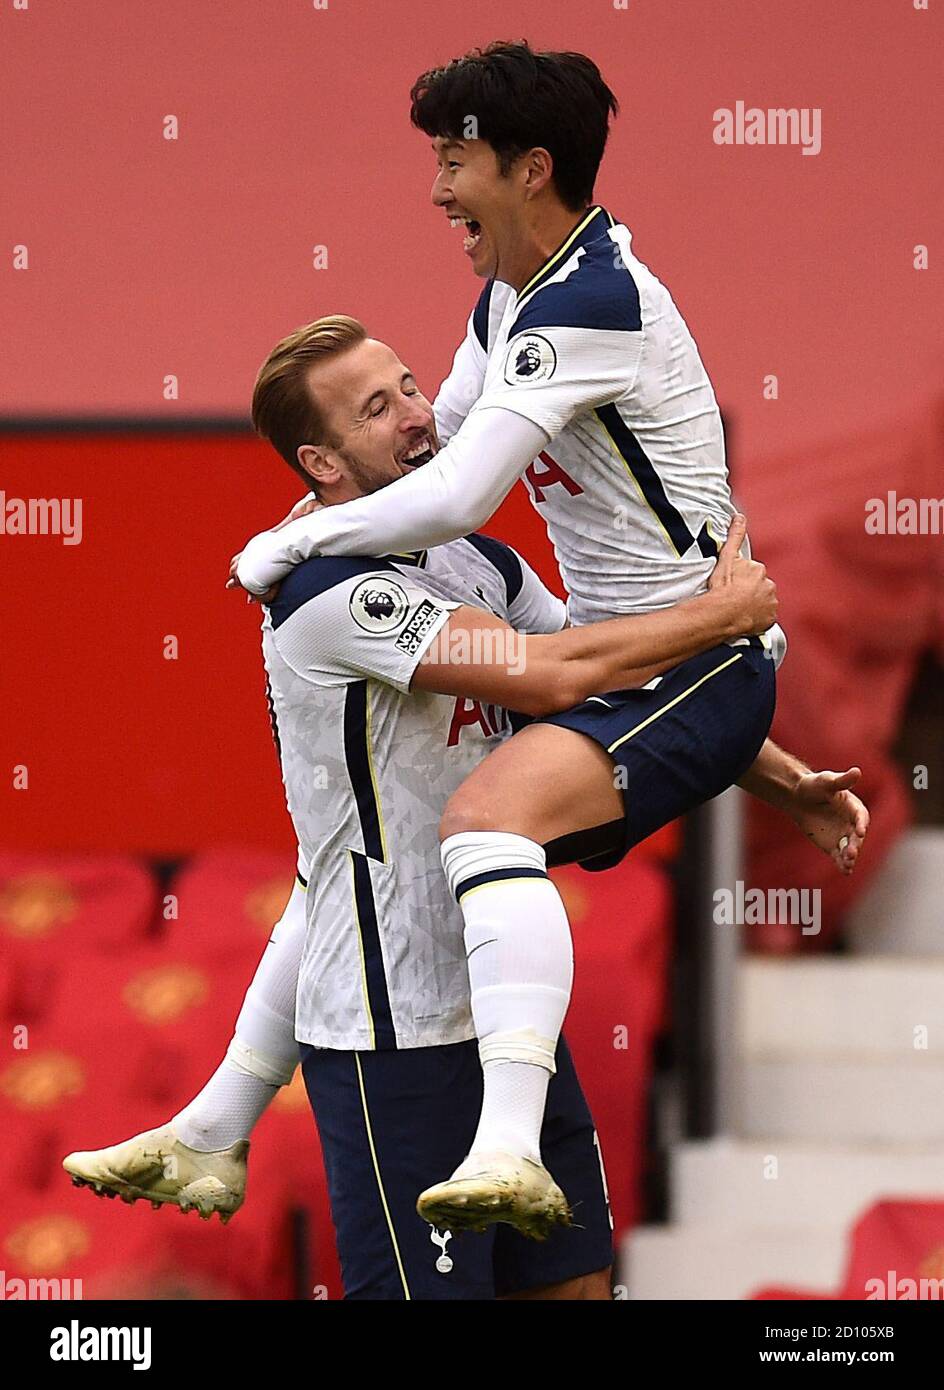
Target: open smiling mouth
(473, 232)
(421, 452)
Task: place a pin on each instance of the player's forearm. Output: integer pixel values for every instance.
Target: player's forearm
(450, 496)
(610, 654)
(479, 656)
(773, 776)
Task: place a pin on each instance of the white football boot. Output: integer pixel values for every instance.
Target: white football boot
(155, 1165)
(491, 1187)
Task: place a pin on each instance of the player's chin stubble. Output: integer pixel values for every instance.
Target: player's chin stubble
(368, 478)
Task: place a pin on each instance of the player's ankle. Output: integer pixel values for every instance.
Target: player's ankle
(502, 1141)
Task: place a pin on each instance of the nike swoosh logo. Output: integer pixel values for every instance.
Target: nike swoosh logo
(491, 942)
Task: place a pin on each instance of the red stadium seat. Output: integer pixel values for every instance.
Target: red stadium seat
(122, 1051)
(68, 1235)
(77, 1083)
(128, 1044)
(131, 1035)
(122, 1251)
(98, 901)
(228, 897)
(897, 1252)
(162, 1019)
(54, 905)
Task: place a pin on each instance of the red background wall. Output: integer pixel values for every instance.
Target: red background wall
(126, 750)
(149, 257)
(192, 257)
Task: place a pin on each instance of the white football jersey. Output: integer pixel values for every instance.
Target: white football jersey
(594, 359)
(368, 769)
(633, 485)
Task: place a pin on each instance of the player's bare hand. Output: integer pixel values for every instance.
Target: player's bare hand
(233, 583)
(743, 584)
(303, 508)
(831, 815)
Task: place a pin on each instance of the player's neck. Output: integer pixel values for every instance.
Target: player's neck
(336, 496)
(549, 229)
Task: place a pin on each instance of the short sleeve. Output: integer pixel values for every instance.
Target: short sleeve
(534, 608)
(575, 343)
(551, 374)
(371, 622)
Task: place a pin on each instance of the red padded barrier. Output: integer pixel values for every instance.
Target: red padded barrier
(622, 943)
(859, 610)
(896, 1253)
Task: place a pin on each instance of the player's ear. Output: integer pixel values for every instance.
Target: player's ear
(317, 463)
(538, 169)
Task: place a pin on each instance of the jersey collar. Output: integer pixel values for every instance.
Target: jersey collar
(589, 228)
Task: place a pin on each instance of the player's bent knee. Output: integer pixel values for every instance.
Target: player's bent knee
(469, 811)
(464, 813)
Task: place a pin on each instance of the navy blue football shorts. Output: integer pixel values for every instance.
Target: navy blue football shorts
(392, 1123)
(681, 743)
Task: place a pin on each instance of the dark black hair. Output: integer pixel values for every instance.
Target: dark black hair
(522, 100)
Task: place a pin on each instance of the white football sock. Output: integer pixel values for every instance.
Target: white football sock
(521, 967)
(229, 1106)
(263, 1053)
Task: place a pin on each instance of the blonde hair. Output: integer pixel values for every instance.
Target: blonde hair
(284, 410)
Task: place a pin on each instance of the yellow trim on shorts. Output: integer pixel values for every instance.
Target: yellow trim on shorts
(380, 1186)
(665, 708)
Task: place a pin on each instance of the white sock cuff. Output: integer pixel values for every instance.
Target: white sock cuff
(255, 1063)
(520, 1045)
(475, 852)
